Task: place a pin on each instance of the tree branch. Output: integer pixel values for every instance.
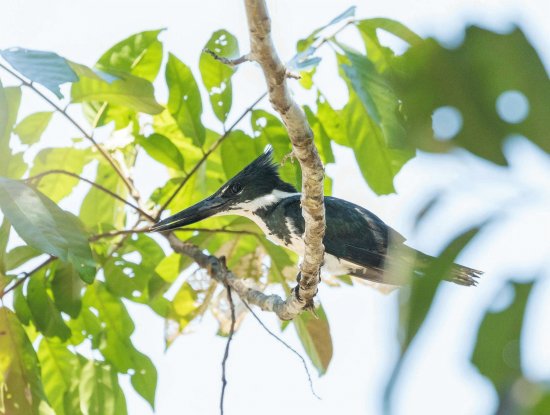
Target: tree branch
(133, 191)
(228, 61)
(205, 156)
(27, 275)
(300, 134)
(97, 186)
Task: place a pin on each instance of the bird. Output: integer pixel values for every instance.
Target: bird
(357, 242)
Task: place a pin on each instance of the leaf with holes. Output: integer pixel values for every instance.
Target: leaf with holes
(216, 75)
(473, 79)
(44, 226)
(184, 100)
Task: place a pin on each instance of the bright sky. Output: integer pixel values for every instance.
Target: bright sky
(263, 376)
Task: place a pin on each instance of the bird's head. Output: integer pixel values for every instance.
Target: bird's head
(255, 187)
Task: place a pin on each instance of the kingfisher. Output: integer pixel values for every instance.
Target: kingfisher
(357, 242)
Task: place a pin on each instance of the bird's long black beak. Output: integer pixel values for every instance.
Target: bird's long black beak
(202, 210)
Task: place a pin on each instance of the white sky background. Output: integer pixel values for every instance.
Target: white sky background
(263, 376)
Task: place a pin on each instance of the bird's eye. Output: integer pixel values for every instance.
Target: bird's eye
(235, 188)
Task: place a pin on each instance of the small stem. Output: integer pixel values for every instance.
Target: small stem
(110, 160)
(27, 275)
(212, 148)
(97, 186)
(229, 338)
(228, 61)
(114, 233)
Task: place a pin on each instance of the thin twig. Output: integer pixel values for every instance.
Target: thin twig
(212, 148)
(289, 347)
(87, 135)
(114, 233)
(229, 338)
(228, 61)
(97, 186)
(26, 275)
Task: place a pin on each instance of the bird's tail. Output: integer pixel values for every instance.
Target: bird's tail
(458, 274)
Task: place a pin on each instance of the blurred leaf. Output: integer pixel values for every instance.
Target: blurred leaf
(139, 54)
(44, 226)
(99, 390)
(10, 98)
(333, 121)
(59, 366)
(31, 128)
(20, 255)
(66, 289)
(116, 345)
(184, 101)
(162, 150)
(470, 78)
(169, 267)
(46, 68)
(45, 315)
(58, 186)
(117, 87)
(497, 353)
(216, 75)
(237, 151)
(314, 333)
(22, 391)
(21, 306)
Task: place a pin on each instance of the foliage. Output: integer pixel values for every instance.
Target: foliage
(69, 282)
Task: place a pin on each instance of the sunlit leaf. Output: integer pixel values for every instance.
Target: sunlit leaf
(44, 226)
(216, 75)
(99, 390)
(46, 68)
(162, 150)
(4, 237)
(470, 79)
(184, 100)
(314, 333)
(32, 127)
(238, 150)
(118, 88)
(11, 165)
(58, 186)
(19, 255)
(139, 54)
(59, 366)
(322, 140)
(22, 391)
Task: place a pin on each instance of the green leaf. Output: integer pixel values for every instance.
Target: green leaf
(497, 353)
(139, 54)
(314, 333)
(391, 26)
(470, 79)
(184, 100)
(45, 315)
(10, 99)
(237, 151)
(333, 121)
(22, 391)
(21, 306)
(162, 150)
(118, 88)
(19, 255)
(59, 367)
(169, 267)
(58, 186)
(116, 345)
(99, 389)
(216, 75)
(378, 163)
(32, 127)
(322, 140)
(4, 237)
(44, 226)
(66, 288)
(46, 68)
(100, 208)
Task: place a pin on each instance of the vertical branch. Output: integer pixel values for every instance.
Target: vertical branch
(300, 134)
